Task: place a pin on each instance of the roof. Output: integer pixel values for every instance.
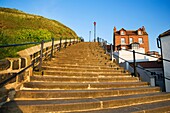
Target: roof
(149, 64)
(166, 33)
(129, 32)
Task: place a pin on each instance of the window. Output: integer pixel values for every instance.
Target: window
(122, 33)
(130, 40)
(139, 32)
(122, 40)
(140, 40)
(135, 46)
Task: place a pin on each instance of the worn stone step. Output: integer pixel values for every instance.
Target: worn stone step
(82, 74)
(78, 86)
(164, 109)
(73, 79)
(81, 63)
(66, 72)
(77, 59)
(155, 107)
(99, 71)
(77, 69)
(82, 66)
(83, 50)
(75, 94)
(29, 106)
(80, 55)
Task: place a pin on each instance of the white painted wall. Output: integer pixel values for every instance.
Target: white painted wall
(165, 42)
(127, 55)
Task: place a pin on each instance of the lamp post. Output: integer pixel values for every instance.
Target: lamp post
(89, 36)
(94, 31)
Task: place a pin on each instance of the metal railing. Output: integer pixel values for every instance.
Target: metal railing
(105, 45)
(35, 59)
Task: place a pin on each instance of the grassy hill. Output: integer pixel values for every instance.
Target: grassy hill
(19, 27)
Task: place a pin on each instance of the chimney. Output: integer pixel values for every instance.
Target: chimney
(114, 29)
(143, 28)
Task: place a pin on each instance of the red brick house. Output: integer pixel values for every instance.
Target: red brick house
(129, 39)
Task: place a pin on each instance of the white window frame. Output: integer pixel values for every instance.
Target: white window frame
(122, 41)
(140, 40)
(130, 40)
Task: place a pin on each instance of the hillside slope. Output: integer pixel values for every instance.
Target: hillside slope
(19, 27)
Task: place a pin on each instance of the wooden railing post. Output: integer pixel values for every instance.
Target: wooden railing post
(111, 51)
(106, 46)
(60, 44)
(52, 48)
(41, 55)
(70, 42)
(65, 43)
(74, 40)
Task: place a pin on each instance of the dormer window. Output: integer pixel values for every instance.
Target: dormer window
(139, 32)
(122, 33)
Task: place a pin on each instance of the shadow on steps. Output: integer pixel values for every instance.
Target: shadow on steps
(10, 107)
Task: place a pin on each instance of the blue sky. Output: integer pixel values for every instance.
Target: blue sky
(79, 15)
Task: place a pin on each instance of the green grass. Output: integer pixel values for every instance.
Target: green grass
(19, 27)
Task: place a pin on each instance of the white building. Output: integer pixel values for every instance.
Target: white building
(164, 39)
(128, 55)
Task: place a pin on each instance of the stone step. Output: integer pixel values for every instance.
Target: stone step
(75, 94)
(99, 71)
(84, 75)
(80, 66)
(81, 55)
(83, 63)
(30, 106)
(80, 60)
(77, 59)
(164, 109)
(73, 79)
(77, 69)
(80, 63)
(155, 107)
(67, 72)
(59, 60)
(80, 86)
(81, 74)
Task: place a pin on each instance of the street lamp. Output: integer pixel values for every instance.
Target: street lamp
(94, 31)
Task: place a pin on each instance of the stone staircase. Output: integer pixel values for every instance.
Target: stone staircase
(81, 78)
